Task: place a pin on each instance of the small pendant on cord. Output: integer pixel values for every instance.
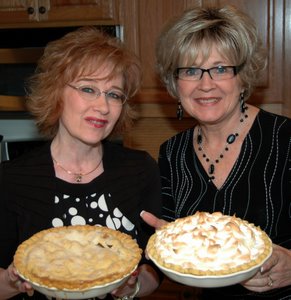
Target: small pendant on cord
(79, 178)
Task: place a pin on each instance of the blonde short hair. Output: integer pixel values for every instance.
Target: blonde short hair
(197, 30)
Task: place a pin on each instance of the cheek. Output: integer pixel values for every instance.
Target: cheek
(115, 113)
(71, 110)
(234, 91)
(182, 89)
(185, 88)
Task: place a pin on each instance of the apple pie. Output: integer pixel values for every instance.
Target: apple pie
(77, 257)
(208, 244)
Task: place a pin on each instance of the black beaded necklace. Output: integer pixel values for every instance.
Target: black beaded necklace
(231, 138)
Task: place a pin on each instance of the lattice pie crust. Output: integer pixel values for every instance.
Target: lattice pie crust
(77, 257)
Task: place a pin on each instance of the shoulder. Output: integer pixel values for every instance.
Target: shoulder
(28, 175)
(180, 138)
(269, 116)
(33, 160)
(275, 122)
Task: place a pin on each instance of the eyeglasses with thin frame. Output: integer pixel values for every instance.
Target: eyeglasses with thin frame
(215, 73)
(91, 93)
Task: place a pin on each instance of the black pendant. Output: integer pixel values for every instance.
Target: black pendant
(211, 169)
(199, 139)
(180, 112)
(231, 138)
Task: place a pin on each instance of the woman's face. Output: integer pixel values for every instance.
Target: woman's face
(207, 100)
(91, 121)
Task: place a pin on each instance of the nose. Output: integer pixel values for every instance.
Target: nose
(206, 82)
(101, 104)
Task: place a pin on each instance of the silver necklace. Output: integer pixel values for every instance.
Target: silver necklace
(78, 176)
(231, 138)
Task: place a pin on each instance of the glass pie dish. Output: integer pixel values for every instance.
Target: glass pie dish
(210, 281)
(95, 291)
(77, 262)
(209, 249)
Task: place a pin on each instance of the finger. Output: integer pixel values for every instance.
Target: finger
(30, 293)
(12, 273)
(271, 261)
(259, 283)
(27, 286)
(132, 279)
(152, 220)
(146, 254)
(268, 265)
(128, 287)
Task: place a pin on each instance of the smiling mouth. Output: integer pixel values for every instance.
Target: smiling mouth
(97, 122)
(207, 101)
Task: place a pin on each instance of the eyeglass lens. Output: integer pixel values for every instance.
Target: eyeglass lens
(216, 73)
(115, 97)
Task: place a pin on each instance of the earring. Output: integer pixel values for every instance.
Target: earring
(242, 102)
(180, 111)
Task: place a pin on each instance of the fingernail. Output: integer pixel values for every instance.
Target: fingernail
(142, 212)
(135, 273)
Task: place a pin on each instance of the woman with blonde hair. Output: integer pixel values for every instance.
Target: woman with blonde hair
(236, 158)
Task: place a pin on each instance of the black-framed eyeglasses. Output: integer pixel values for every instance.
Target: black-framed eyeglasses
(91, 93)
(215, 73)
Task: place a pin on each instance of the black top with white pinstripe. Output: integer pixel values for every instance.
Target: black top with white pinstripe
(257, 189)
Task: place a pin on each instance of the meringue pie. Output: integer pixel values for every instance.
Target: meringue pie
(209, 244)
(77, 257)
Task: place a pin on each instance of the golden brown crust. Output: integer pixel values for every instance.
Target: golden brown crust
(77, 257)
(181, 256)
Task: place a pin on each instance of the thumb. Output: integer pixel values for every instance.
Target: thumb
(152, 220)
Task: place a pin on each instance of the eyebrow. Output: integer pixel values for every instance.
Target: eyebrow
(93, 80)
(214, 64)
(87, 79)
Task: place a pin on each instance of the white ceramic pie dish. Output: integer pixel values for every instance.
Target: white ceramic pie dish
(210, 281)
(95, 291)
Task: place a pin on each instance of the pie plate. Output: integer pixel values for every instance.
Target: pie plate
(210, 281)
(92, 292)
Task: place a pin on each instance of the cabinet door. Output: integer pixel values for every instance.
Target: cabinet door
(82, 11)
(269, 17)
(18, 11)
(29, 13)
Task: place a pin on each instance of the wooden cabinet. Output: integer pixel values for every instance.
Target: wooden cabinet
(271, 17)
(142, 20)
(27, 25)
(15, 13)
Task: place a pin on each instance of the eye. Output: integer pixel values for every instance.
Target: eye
(88, 89)
(115, 95)
(192, 71)
(220, 70)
